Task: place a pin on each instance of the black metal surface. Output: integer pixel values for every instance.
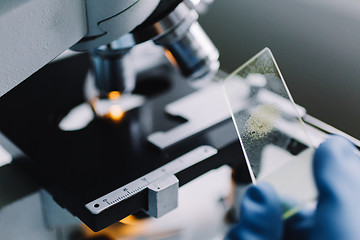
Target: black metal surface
(80, 166)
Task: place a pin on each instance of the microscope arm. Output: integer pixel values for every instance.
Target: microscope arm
(33, 32)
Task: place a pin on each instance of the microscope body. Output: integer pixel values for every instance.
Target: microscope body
(110, 32)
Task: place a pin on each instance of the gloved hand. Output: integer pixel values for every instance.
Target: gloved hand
(336, 217)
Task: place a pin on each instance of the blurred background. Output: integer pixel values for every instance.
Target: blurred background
(316, 44)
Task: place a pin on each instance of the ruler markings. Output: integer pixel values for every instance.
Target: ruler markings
(138, 185)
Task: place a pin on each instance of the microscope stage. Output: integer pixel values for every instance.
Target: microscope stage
(78, 167)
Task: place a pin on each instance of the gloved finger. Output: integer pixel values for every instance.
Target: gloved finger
(260, 215)
(300, 225)
(336, 166)
(337, 176)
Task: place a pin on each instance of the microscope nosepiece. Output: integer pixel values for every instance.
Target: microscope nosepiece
(194, 53)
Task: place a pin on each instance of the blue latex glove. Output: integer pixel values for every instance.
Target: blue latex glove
(337, 176)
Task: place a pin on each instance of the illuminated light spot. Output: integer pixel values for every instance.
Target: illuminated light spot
(115, 113)
(130, 220)
(114, 95)
(170, 57)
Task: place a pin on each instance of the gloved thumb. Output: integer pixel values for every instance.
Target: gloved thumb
(337, 176)
(260, 216)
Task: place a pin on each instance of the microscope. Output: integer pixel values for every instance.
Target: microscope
(143, 139)
(134, 117)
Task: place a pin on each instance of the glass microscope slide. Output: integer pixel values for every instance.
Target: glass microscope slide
(273, 137)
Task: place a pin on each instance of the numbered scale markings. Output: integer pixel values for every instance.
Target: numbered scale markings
(195, 156)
